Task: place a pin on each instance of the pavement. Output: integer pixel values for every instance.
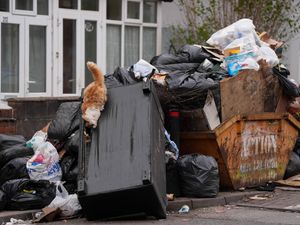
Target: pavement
(223, 198)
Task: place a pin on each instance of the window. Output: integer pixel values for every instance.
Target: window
(24, 5)
(150, 11)
(92, 5)
(90, 47)
(149, 43)
(132, 45)
(37, 58)
(133, 10)
(69, 56)
(132, 38)
(114, 9)
(4, 5)
(10, 58)
(42, 7)
(113, 47)
(68, 4)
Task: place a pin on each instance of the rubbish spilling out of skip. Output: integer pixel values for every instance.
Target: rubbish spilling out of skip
(208, 118)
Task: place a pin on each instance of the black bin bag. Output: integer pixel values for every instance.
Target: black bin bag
(199, 175)
(7, 141)
(14, 152)
(66, 121)
(3, 200)
(24, 194)
(14, 169)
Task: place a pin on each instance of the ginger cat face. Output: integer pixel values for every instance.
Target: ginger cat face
(94, 97)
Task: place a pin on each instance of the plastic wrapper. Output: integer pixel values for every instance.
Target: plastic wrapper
(241, 61)
(199, 175)
(44, 165)
(14, 169)
(66, 121)
(239, 29)
(14, 152)
(143, 69)
(24, 194)
(7, 141)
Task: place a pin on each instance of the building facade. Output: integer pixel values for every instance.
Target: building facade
(44, 44)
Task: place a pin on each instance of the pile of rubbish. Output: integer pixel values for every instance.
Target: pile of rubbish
(43, 171)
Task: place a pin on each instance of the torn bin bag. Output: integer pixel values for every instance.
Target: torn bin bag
(14, 169)
(23, 194)
(66, 121)
(199, 175)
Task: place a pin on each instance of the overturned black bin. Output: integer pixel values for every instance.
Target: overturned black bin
(122, 169)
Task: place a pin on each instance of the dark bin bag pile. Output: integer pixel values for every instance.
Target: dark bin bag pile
(7, 141)
(13, 158)
(23, 194)
(189, 91)
(66, 121)
(64, 129)
(199, 175)
(188, 80)
(187, 54)
(14, 169)
(14, 152)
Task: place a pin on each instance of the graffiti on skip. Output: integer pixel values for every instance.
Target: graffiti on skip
(258, 145)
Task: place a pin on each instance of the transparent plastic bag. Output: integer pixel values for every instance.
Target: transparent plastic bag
(269, 55)
(44, 165)
(68, 204)
(239, 29)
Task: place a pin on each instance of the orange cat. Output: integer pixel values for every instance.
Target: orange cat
(94, 96)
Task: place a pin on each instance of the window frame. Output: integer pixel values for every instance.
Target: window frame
(24, 12)
(130, 20)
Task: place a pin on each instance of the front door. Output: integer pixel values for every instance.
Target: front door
(79, 34)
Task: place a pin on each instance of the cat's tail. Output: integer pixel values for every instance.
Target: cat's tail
(96, 72)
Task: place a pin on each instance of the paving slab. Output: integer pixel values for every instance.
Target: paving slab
(281, 200)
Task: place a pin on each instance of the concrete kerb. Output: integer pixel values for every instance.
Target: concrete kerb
(224, 198)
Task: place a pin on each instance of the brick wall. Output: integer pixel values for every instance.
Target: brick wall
(7, 122)
(31, 114)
